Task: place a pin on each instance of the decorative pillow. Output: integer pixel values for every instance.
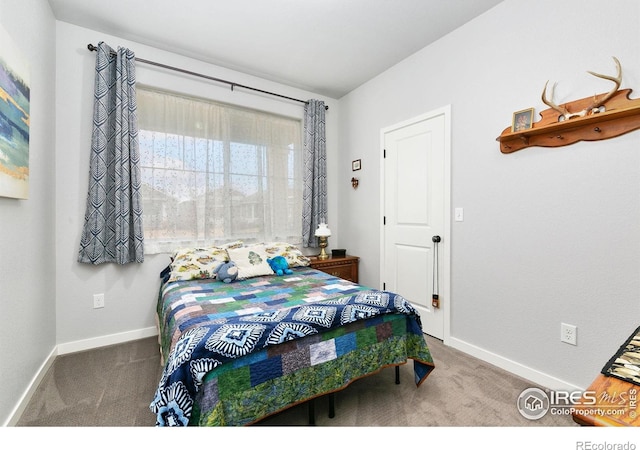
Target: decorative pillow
(290, 252)
(180, 251)
(196, 263)
(251, 261)
(234, 244)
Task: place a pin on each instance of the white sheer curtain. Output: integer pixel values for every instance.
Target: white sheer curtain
(213, 173)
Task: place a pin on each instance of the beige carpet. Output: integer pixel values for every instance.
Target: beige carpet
(113, 386)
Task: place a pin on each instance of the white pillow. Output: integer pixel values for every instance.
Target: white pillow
(251, 261)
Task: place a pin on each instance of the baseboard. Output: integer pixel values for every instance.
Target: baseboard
(102, 341)
(31, 389)
(535, 376)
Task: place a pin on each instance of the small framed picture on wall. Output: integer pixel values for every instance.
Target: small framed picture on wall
(355, 165)
(522, 120)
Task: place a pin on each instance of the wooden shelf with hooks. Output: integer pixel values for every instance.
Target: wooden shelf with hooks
(621, 116)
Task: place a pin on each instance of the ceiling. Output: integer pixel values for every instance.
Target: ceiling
(328, 47)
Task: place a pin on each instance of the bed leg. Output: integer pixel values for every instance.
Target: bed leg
(332, 406)
(397, 374)
(312, 412)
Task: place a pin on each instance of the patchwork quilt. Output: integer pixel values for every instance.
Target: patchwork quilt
(238, 352)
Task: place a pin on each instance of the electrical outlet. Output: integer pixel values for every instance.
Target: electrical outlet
(569, 334)
(98, 300)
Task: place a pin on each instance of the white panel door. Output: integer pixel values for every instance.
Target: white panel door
(414, 212)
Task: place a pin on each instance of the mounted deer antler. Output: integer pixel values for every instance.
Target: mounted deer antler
(595, 106)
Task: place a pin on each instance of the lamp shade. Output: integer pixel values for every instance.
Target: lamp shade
(323, 230)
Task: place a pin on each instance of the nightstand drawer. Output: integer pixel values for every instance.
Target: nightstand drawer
(345, 267)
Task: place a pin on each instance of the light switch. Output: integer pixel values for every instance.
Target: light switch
(459, 214)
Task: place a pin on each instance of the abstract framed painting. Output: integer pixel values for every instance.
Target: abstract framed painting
(14, 120)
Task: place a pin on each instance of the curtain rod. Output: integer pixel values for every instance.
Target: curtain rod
(233, 85)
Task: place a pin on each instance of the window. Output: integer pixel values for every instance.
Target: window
(214, 173)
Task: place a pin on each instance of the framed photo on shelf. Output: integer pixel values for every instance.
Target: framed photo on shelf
(522, 120)
(355, 165)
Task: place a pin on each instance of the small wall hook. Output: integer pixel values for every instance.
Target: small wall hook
(354, 182)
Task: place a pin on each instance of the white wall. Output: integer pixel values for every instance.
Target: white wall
(549, 235)
(27, 265)
(130, 290)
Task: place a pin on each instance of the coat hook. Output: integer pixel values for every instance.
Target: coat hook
(354, 182)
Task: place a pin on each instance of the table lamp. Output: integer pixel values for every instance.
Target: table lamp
(323, 232)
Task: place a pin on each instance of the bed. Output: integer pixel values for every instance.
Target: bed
(235, 353)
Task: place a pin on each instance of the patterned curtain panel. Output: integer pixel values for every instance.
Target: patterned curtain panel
(113, 220)
(315, 172)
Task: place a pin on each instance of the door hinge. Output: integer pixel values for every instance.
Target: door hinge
(384, 286)
(384, 220)
(384, 153)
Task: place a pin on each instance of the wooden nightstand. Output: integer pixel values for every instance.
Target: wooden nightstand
(345, 267)
(613, 401)
(616, 404)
